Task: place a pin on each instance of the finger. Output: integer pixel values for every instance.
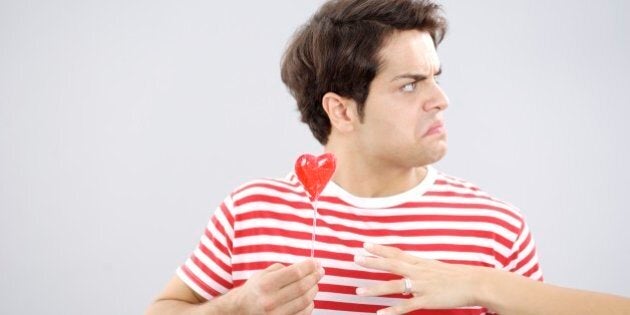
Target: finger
(384, 288)
(402, 308)
(390, 252)
(299, 303)
(273, 267)
(384, 264)
(307, 311)
(295, 272)
(298, 288)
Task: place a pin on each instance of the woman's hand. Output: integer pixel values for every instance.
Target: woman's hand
(434, 284)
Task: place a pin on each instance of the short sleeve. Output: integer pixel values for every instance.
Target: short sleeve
(208, 270)
(524, 258)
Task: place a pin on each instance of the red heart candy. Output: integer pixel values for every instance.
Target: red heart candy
(314, 172)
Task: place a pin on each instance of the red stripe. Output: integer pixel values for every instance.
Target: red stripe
(456, 194)
(368, 308)
(212, 292)
(221, 230)
(531, 271)
(228, 216)
(419, 218)
(450, 205)
(210, 273)
(450, 182)
(216, 243)
(273, 200)
(319, 253)
(467, 262)
(330, 271)
(358, 244)
(349, 307)
(296, 184)
(215, 259)
(269, 186)
(254, 215)
(525, 260)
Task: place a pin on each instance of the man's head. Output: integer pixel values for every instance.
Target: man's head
(337, 51)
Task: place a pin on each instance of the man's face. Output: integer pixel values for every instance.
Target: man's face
(402, 126)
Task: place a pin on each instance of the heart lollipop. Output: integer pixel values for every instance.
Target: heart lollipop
(314, 172)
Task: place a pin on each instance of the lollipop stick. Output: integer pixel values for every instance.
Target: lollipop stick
(314, 228)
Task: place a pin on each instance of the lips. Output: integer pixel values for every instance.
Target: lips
(436, 128)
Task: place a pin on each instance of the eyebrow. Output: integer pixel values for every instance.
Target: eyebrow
(415, 77)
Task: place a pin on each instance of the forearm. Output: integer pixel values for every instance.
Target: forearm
(511, 294)
(224, 304)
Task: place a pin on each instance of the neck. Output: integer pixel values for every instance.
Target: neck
(367, 177)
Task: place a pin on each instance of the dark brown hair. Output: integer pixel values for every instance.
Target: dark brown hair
(337, 51)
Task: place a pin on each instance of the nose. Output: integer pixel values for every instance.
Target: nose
(438, 99)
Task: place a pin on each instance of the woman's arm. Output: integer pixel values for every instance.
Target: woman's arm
(437, 285)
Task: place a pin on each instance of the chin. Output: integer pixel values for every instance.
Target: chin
(435, 154)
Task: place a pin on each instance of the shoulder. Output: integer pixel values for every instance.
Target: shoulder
(460, 191)
(267, 189)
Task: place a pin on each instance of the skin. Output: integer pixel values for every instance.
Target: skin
(437, 285)
(277, 290)
(386, 152)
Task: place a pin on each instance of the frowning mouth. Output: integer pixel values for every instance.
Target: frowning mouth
(436, 128)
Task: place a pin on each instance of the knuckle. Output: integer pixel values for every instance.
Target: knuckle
(298, 273)
(267, 304)
(264, 285)
(304, 286)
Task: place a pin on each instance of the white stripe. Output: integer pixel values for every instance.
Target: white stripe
(478, 210)
(340, 248)
(204, 278)
(182, 276)
(206, 261)
(350, 266)
(215, 251)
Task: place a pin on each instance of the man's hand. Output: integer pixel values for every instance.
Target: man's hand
(280, 290)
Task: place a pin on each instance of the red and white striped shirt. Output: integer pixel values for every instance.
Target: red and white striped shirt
(443, 218)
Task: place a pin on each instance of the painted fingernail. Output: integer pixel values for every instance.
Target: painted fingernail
(359, 259)
(360, 291)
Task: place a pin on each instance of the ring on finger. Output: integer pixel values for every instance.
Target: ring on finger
(407, 288)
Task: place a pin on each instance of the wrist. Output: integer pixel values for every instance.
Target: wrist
(226, 304)
(482, 282)
(233, 299)
(489, 282)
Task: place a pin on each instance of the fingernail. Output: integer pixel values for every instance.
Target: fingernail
(322, 271)
(384, 312)
(368, 246)
(359, 259)
(360, 291)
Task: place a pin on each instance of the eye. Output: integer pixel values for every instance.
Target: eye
(409, 87)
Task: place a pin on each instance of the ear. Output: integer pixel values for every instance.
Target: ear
(341, 111)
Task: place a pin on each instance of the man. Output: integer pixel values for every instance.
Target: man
(363, 73)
